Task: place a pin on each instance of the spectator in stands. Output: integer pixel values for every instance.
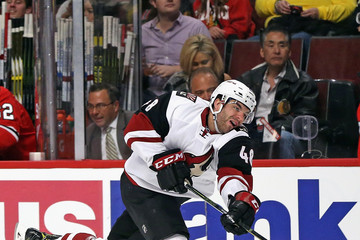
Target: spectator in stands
(105, 112)
(282, 92)
(65, 10)
(18, 8)
(351, 25)
(162, 40)
(357, 17)
(318, 18)
(186, 7)
(259, 21)
(198, 51)
(17, 132)
(231, 19)
(203, 82)
(307, 18)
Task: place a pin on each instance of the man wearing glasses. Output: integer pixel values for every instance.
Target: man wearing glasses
(108, 122)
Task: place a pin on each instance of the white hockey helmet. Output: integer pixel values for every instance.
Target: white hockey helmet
(238, 91)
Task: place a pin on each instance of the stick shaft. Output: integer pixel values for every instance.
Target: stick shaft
(223, 211)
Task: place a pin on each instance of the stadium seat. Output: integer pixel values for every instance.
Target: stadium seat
(245, 55)
(334, 58)
(221, 45)
(337, 104)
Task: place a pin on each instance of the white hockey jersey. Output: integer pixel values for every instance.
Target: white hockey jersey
(178, 120)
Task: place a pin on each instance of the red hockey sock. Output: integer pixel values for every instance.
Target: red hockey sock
(78, 236)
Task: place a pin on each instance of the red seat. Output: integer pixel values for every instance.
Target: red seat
(221, 45)
(334, 57)
(245, 55)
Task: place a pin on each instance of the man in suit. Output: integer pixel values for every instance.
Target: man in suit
(105, 112)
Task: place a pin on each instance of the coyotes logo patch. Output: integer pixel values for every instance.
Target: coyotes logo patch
(187, 95)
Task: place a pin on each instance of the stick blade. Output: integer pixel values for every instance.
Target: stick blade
(19, 232)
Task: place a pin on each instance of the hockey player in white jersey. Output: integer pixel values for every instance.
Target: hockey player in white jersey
(179, 137)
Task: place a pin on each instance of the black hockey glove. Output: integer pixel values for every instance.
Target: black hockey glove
(242, 209)
(172, 170)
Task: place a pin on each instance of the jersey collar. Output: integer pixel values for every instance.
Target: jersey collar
(204, 118)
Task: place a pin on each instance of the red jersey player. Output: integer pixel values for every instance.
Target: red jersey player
(16, 129)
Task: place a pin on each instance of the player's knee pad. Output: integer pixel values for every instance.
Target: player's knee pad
(176, 237)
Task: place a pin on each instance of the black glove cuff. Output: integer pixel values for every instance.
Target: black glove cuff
(249, 198)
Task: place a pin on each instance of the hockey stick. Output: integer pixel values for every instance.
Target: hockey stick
(223, 211)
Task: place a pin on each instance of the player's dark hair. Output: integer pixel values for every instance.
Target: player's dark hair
(274, 28)
(113, 91)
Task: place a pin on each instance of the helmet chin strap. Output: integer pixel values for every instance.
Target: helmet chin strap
(215, 123)
(215, 117)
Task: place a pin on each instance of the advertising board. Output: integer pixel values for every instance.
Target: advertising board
(298, 203)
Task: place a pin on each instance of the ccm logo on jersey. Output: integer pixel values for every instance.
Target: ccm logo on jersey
(162, 162)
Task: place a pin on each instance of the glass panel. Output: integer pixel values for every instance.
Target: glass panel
(41, 72)
(109, 52)
(45, 78)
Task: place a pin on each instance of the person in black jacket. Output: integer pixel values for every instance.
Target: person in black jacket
(283, 92)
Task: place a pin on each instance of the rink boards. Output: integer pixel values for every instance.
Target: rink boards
(298, 203)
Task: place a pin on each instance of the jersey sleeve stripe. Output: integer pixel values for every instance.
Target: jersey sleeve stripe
(190, 159)
(232, 186)
(140, 129)
(226, 174)
(142, 136)
(139, 122)
(223, 181)
(12, 131)
(142, 139)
